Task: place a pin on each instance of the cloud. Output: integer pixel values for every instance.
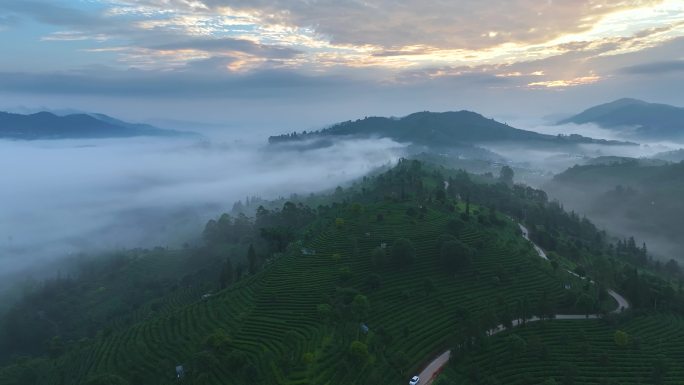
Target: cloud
(52, 13)
(659, 67)
(455, 24)
(102, 194)
(192, 82)
(219, 45)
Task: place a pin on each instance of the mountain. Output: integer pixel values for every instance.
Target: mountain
(46, 125)
(438, 130)
(675, 156)
(635, 117)
(631, 196)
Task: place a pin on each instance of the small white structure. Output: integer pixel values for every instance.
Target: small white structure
(306, 251)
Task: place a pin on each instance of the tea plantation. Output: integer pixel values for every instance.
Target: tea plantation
(269, 328)
(643, 350)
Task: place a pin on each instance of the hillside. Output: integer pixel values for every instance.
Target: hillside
(588, 352)
(674, 156)
(416, 260)
(634, 197)
(46, 125)
(438, 130)
(635, 118)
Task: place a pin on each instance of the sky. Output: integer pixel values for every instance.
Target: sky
(283, 65)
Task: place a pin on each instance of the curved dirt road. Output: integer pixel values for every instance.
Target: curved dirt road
(434, 368)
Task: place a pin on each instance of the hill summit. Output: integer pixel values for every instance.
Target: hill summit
(636, 117)
(46, 125)
(436, 129)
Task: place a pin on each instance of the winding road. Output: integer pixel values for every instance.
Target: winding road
(432, 370)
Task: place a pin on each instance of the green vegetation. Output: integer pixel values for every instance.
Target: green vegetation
(636, 117)
(635, 197)
(438, 130)
(640, 350)
(359, 290)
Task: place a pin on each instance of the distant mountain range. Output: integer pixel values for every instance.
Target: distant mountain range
(46, 125)
(636, 118)
(438, 130)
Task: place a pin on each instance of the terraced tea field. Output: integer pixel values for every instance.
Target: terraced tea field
(272, 319)
(581, 352)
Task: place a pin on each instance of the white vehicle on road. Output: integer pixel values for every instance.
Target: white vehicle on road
(415, 380)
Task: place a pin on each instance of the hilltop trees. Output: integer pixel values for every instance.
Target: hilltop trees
(378, 258)
(360, 307)
(621, 338)
(226, 276)
(455, 255)
(506, 176)
(358, 351)
(252, 260)
(402, 253)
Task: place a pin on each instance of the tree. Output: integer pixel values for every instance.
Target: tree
(378, 258)
(325, 312)
(403, 252)
(252, 259)
(358, 351)
(236, 360)
(360, 307)
(308, 358)
(516, 344)
(374, 281)
(586, 303)
(621, 338)
(226, 276)
(218, 342)
(506, 317)
(455, 256)
(545, 307)
(506, 176)
(400, 361)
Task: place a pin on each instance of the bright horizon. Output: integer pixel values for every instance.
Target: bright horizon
(299, 65)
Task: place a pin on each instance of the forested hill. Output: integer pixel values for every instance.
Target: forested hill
(437, 130)
(636, 196)
(647, 120)
(46, 125)
(362, 289)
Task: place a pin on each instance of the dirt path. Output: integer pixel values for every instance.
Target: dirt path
(435, 367)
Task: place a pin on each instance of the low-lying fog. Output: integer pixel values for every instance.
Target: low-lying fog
(65, 196)
(550, 161)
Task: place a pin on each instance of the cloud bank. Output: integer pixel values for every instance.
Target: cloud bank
(70, 196)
